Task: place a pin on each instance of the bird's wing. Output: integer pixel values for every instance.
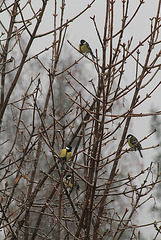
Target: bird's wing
(133, 140)
(90, 50)
(88, 46)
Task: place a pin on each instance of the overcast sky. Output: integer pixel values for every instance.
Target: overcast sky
(83, 28)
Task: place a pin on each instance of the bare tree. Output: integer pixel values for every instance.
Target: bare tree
(47, 105)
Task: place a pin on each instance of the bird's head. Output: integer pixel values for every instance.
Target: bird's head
(129, 136)
(82, 42)
(68, 148)
(68, 177)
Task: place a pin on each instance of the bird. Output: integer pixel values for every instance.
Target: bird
(65, 155)
(134, 144)
(72, 184)
(85, 48)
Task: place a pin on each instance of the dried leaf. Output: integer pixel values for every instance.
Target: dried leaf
(17, 179)
(25, 177)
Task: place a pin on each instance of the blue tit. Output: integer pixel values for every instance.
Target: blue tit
(65, 155)
(85, 48)
(72, 184)
(134, 144)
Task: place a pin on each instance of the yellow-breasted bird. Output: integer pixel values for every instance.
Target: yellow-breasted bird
(85, 48)
(65, 155)
(72, 184)
(134, 144)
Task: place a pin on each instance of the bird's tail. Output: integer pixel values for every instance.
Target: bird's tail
(76, 188)
(140, 153)
(62, 164)
(77, 193)
(93, 56)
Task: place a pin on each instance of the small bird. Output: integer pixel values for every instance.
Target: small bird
(134, 144)
(85, 48)
(72, 184)
(65, 155)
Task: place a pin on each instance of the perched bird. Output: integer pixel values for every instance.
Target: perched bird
(85, 48)
(134, 144)
(65, 155)
(72, 184)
